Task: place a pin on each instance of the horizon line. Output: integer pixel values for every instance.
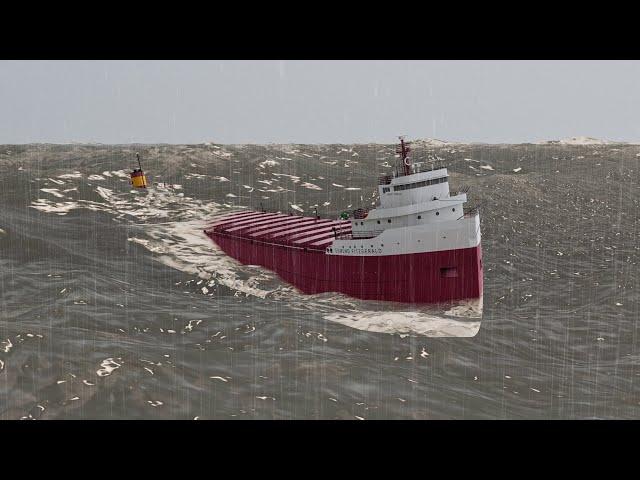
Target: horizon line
(433, 141)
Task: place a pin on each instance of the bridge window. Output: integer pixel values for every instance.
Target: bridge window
(385, 189)
(419, 217)
(425, 183)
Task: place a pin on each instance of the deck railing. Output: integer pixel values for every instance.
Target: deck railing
(470, 211)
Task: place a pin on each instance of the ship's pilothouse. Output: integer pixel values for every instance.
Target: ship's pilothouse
(409, 198)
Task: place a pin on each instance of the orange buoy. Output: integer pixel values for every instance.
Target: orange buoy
(138, 178)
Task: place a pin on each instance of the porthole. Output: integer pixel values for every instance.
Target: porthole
(453, 209)
(437, 213)
(419, 217)
(361, 223)
(389, 221)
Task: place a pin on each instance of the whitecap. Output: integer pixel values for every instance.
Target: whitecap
(268, 163)
(108, 366)
(52, 191)
(120, 173)
(71, 175)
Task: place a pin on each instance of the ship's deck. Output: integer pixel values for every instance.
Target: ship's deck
(275, 228)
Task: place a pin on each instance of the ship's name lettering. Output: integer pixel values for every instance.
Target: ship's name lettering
(358, 251)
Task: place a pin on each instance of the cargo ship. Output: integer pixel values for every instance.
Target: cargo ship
(420, 244)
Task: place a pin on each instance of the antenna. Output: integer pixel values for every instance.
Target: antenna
(403, 149)
(139, 164)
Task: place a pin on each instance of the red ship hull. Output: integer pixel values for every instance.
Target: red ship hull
(430, 277)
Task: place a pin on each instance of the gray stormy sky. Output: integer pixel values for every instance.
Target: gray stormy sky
(317, 101)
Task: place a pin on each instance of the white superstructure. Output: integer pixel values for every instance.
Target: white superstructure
(416, 214)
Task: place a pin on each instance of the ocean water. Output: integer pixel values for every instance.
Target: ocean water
(113, 303)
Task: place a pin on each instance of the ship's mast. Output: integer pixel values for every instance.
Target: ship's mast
(403, 149)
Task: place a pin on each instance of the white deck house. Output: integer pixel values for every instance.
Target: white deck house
(416, 213)
(411, 200)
